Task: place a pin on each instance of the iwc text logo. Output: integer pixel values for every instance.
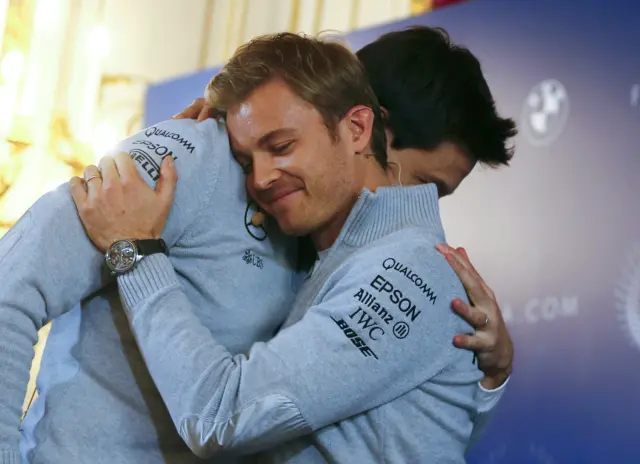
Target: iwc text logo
(545, 112)
(628, 295)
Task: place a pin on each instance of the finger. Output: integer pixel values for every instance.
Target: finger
(110, 173)
(205, 114)
(444, 248)
(462, 254)
(453, 254)
(78, 191)
(192, 111)
(469, 279)
(165, 188)
(125, 166)
(93, 179)
(476, 318)
(188, 113)
(473, 282)
(469, 342)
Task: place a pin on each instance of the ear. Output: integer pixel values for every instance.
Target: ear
(359, 124)
(384, 113)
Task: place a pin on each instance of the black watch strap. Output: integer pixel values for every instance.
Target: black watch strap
(151, 247)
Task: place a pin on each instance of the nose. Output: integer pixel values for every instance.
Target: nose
(264, 172)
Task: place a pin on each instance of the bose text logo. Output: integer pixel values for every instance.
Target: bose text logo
(354, 338)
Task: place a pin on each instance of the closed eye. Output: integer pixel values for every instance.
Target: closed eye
(282, 148)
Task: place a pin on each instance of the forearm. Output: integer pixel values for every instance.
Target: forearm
(16, 354)
(273, 394)
(47, 264)
(217, 401)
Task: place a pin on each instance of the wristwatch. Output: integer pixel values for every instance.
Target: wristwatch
(123, 255)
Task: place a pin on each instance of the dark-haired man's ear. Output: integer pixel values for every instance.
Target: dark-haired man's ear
(385, 114)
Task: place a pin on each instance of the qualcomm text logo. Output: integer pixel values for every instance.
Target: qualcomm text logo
(628, 295)
(545, 112)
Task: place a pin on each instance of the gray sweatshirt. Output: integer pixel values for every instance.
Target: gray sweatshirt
(97, 403)
(364, 370)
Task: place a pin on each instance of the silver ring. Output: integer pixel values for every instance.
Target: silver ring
(93, 177)
(486, 321)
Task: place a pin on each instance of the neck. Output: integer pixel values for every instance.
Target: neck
(324, 237)
(371, 176)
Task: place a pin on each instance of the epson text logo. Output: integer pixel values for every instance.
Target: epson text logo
(154, 131)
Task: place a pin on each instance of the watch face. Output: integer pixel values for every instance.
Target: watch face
(121, 256)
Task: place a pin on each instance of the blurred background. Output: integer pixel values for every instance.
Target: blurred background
(556, 234)
(74, 73)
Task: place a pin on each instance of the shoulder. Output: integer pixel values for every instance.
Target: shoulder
(400, 284)
(198, 150)
(180, 138)
(402, 266)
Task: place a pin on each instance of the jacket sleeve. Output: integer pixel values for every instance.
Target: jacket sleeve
(339, 360)
(487, 403)
(48, 264)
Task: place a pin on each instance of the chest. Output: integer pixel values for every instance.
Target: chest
(239, 275)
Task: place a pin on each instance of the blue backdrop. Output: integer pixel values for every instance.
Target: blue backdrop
(557, 234)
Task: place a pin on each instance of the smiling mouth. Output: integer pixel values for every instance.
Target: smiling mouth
(281, 198)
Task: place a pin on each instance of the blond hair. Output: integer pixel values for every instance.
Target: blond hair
(323, 73)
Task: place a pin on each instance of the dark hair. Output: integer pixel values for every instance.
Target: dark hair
(435, 92)
(323, 73)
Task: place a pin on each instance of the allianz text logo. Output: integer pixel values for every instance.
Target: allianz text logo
(541, 310)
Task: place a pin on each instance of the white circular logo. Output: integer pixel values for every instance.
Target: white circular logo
(628, 295)
(545, 112)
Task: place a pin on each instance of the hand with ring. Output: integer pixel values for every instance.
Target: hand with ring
(91, 173)
(114, 202)
(491, 341)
